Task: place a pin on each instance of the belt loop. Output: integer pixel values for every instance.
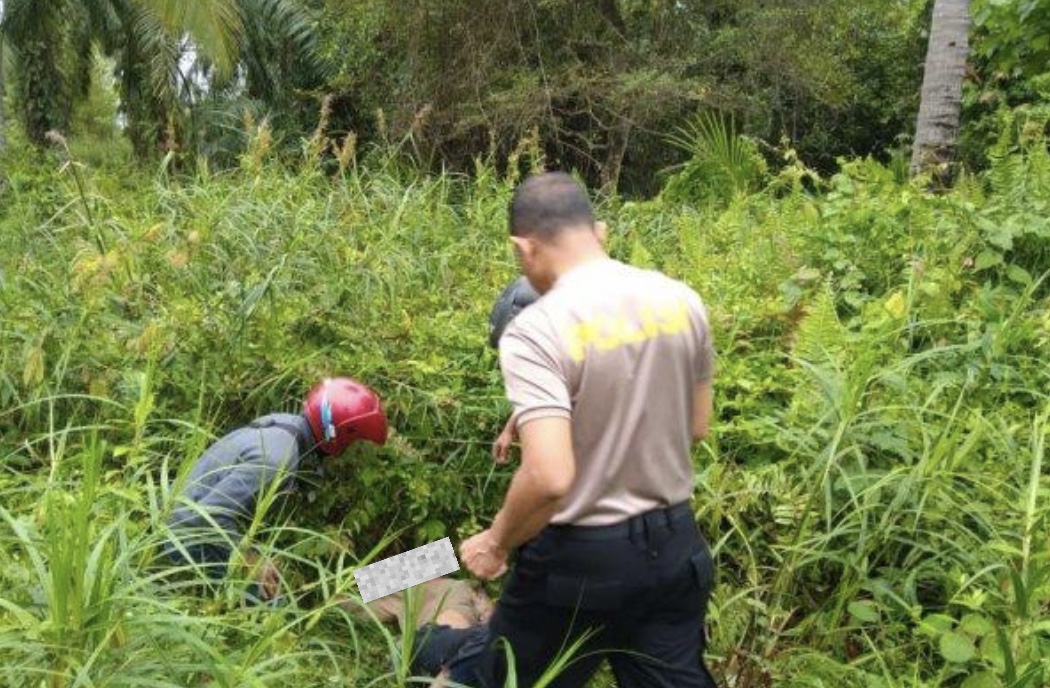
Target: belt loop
(649, 518)
(669, 515)
(632, 531)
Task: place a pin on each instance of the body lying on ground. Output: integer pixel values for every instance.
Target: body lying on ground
(450, 621)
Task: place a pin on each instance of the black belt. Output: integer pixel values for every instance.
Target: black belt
(625, 529)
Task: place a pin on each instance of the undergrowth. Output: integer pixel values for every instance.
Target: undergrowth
(875, 489)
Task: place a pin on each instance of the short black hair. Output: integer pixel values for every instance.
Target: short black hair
(546, 204)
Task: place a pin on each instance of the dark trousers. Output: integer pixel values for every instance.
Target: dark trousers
(214, 560)
(640, 588)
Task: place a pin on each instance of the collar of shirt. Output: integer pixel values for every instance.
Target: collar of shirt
(584, 270)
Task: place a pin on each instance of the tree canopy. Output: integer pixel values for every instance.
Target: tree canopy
(603, 87)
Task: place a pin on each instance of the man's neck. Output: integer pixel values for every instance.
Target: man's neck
(576, 251)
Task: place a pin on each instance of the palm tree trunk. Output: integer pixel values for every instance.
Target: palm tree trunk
(939, 108)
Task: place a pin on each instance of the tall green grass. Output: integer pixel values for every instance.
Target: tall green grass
(875, 490)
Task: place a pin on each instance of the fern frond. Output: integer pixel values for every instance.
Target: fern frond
(820, 338)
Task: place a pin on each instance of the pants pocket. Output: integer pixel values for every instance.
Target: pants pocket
(585, 594)
(703, 569)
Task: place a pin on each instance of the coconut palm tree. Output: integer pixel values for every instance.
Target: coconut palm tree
(31, 28)
(941, 103)
(147, 39)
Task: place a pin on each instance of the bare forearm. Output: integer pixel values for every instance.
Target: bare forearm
(527, 509)
(703, 400)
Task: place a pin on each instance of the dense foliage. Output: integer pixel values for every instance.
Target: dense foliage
(876, 487)
(595, 85)
(180, 67)
(600, 83)
(875, 490)
(1010, 79)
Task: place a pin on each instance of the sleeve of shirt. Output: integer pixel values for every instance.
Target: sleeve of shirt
(535, 383)
(704, 362)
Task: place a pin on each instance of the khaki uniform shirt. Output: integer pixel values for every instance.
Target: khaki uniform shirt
(619, 352)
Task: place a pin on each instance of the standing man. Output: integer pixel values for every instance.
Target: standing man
(609, 374)
(226, 483)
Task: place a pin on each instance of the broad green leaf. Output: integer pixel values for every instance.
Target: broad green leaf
(956, 647)
(975, 625)
(999, 234)
(864, 611)
(896, 305)
(982, 679)
(1019, 275)
(987, 259)
(992, 652)
(936, 624)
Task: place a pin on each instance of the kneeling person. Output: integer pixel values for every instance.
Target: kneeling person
(223, 487)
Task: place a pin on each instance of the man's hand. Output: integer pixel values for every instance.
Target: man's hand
(266, 574)
(269, 579)
(483, 556)
(501, 447)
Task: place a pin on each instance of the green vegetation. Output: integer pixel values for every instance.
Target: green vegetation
(876, 486)
(595, 86)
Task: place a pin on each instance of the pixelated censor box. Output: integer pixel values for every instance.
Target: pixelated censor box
(404, 570)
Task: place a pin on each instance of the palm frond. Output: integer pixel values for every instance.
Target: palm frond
(280, 46)
(820, 336)
(156, 54)
(722, 163)
(215, 26)
(26, 18)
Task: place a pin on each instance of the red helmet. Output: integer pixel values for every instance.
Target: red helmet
(341, 411)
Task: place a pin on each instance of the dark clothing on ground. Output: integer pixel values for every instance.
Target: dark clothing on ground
(213, 561)
(227, 481)
(457, 650)
(642, 585)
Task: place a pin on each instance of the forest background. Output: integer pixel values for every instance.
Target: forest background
(206, 206)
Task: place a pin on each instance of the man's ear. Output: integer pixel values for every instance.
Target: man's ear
(522, 246)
